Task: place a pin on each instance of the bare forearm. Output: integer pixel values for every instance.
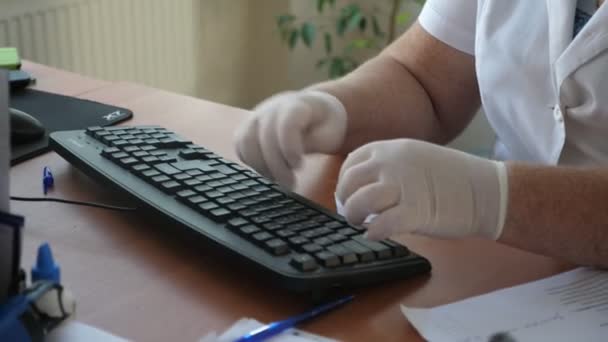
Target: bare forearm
(559, 212)
(384, 101)
(417, 88)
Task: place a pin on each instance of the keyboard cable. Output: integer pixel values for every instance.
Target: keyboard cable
(65, 201)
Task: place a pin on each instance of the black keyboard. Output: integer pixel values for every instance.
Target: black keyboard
(294, 242)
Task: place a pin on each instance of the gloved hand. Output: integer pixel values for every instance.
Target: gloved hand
(285, 127)
(419, 187)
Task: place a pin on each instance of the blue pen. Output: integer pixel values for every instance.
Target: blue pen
(274, 328)
(47, 179)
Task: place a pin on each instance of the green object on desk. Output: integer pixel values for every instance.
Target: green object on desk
(9, 58)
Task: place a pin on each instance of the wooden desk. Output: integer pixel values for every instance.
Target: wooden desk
(133, 278)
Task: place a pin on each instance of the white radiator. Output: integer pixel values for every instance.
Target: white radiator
(153, 42)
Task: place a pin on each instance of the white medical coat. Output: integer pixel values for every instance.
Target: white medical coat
(544, 93)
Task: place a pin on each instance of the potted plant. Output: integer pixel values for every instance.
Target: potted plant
(348, 31)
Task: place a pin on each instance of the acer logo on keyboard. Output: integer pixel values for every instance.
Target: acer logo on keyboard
(113, 116)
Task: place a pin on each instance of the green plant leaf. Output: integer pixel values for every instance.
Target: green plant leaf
(376, 27)
(322, 62)
(328, 43)
(308, 33)
(284, 19)
(403, 18)
(336, 68)
(321, 5)
(333, 3)
(341, 25)
(361, 43)
(353, 21)
(293, 39)
(363, 24)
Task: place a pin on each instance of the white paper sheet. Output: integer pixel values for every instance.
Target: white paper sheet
(245, 325)
(571, 306)
(73, 331)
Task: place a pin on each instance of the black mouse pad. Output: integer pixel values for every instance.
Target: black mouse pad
(60, 113)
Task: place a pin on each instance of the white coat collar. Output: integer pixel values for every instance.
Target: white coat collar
(566, 55)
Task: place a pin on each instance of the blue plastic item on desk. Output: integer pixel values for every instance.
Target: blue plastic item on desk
(46, 268)
(47, 179)
(275, 328)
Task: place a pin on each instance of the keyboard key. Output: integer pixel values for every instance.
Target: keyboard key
(225, 170)
(328, 259)
(170, 187)
(192, 183)
(236, 207)
(194, 165)
(272, 226)
(166, 169)
(311, 248)
(304, 262)
(347, 231)
(109, 151)
(324, 242)
(397, 249)
(336, 238)
(213, 194)
(224, 201)
(92, 130)
(158, 153)
(285, 233)
(194, 172)
(248, 230)
(139, 168)
(195, 201)
(237, 222)
(203, 188)
(151, 160)
(297, 241)
(127, 162)
(346, 256)
(119, 155)
(363, 253)
(181, 177)
(140, 154)
(160, 179)
(149, 174)
(167, 159)
(261, 237)
(220, 214)
(147, 148)
(119, 143)
(382, 251)
(185, 193)
(206, 207)
(276, 247)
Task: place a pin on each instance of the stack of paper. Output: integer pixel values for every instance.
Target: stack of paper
(571, 306)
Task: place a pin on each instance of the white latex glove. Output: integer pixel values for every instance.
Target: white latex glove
(418, 187)
(285, 127)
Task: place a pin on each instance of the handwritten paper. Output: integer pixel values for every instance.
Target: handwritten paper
(571, 306)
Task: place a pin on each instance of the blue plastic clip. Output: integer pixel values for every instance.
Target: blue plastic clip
(47, 179)
(46, 268)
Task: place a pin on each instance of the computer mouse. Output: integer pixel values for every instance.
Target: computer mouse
(24, 127)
